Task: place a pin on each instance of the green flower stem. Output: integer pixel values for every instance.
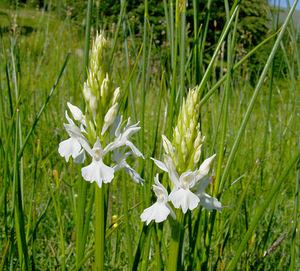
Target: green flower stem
(173, 263)
(99, 228)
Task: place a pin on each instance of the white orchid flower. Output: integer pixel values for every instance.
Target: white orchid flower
(181, 195)
(71, 146)
(77, 145)
(97, 171)
(160, 210)
(120, 159)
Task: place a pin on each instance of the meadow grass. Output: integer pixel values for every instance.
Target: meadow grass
(48, 210)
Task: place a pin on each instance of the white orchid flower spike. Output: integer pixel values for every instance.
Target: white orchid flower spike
(160, 210)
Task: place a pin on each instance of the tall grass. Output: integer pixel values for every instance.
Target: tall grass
(52, 219)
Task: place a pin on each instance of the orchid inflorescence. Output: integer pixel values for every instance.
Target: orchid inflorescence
(187, 193)
(180, 161)
(101, 125)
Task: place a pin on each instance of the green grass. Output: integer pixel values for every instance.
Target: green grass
(39, 193)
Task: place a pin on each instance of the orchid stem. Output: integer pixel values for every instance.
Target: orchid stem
(99, 229)
(175, 245)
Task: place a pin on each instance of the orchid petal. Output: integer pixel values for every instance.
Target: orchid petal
(99, 172)
(69, 147)
(70, 121)
(184, 199)
(133, 174)
(160, 164)
(187, 179)
(209, 202)
(158, 212)
(134, 149)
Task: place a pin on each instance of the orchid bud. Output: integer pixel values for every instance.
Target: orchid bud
(104, 86)
(110, 117)
(116, 96)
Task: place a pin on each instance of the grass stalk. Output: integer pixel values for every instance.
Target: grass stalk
(254, 96)
(19, 219)
(127, 223)
(294, 233)
(59, 217)
(81, 217)
(260, 212)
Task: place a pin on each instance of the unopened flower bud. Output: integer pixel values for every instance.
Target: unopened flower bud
(169, 149)
(177, 135)
(104, 86)
(198, 140)
(93, 104)
(110, 117)
(183, 148)
(86, 91)
(197, 154)
(116, 96)
(76, 113)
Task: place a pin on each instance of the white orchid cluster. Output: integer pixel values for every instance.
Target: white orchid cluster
(94, 126)
(78, 145)
(188, 189)
(180, 160)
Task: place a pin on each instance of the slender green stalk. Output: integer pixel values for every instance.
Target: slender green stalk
(127, 223)
(131, 94)
(208, 70)
(38, 116)
(293, 262)
(146, 248)
(144, 71)
(224, 114)
(18, 207)
(237, 65)
(57, 208)
(81, 217)
(99, 229)
(254, 96)
(260, 212)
